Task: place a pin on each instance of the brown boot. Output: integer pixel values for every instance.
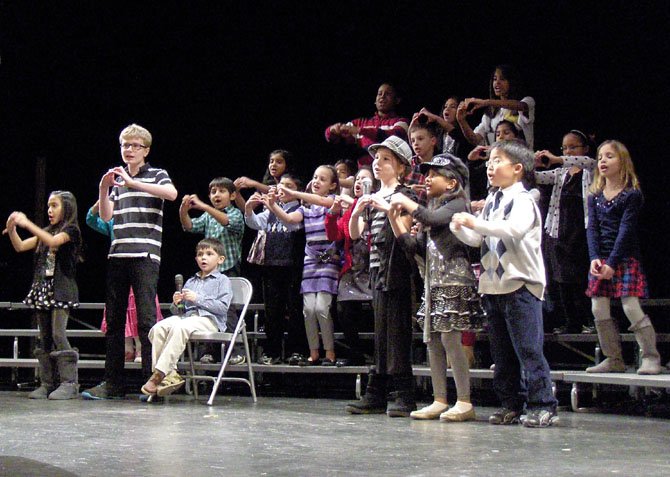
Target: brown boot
(610, 345)
(646, 339)
(151, 387)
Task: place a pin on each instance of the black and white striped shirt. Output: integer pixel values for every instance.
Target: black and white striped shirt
(138, 217)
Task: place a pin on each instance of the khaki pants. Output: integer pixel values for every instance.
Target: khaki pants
(169, 337)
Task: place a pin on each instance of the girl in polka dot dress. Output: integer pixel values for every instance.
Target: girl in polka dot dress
(54, 290)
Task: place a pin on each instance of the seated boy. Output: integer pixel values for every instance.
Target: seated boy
(206, 297)
(512, 281)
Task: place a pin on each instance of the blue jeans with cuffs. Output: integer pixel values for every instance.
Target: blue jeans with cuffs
(516, 335)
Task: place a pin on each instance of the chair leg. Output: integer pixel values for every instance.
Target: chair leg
(217, 381)
(252, 384)
(194, 382)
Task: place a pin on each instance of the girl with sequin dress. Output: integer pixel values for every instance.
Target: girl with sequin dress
(450, 303)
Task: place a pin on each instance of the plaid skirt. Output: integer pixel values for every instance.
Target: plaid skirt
(628, 280)
(41, 296)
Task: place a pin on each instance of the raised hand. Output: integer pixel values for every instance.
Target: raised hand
(463, 219)
(242, 183)
(545, 158)
(186, 203)
(121, 177)
(479, 153)
(196, 203)
(107, 179)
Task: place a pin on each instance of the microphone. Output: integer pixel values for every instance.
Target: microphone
(366, 185)
(179, 284)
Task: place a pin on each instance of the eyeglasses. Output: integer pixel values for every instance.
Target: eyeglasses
(134, 146)
(495, 162)
(571, 148)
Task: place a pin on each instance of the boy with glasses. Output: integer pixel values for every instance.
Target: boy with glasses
(134, 197)
(512, 280)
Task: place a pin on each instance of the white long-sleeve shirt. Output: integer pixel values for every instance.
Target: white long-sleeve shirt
(557, 178)
(510, 238)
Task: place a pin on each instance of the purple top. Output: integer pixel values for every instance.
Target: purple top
(612, 229)
(322, 261)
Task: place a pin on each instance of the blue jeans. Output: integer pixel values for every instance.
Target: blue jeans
(142, 275)
(521, 377)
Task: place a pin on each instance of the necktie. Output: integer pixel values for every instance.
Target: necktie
(496, 200)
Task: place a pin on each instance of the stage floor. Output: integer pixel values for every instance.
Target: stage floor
(309, 437)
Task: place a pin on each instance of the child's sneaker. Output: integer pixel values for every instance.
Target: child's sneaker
(504, 417)
(237, 360)
(171, 383)
(268, 360)
(129, 356)
(296, 359)
(207, 359)
(100, 392)
(540, 418)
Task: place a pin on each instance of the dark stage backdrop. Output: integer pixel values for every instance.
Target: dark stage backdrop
(221, 84)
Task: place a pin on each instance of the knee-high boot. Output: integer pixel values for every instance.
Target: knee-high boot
(46, 370)
(67, 369)
(646, 339)
(610, 344)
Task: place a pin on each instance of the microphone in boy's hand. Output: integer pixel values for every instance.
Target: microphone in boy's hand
(366, 185)
(179, 284)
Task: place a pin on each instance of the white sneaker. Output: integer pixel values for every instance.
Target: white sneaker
(237, 360)
(429, 412)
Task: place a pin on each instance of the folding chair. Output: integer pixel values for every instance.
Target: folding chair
(242, 292)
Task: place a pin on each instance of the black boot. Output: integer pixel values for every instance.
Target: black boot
(374, 399)
(402, 401)
(67, 369)
(46, 369)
